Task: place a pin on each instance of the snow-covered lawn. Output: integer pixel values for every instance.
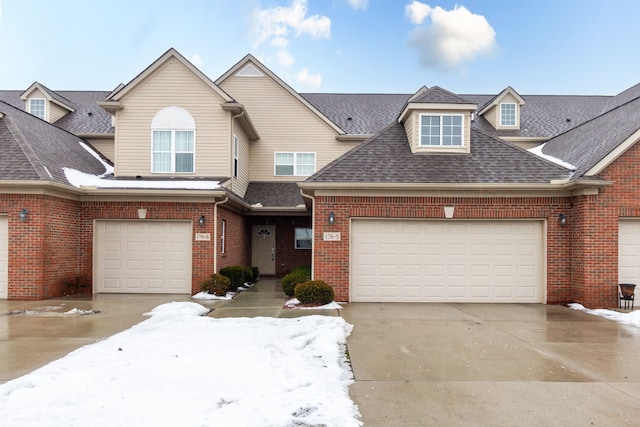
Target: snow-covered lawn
(178, 368)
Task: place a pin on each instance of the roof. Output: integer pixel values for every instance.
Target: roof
(437, 95)
(387, 158)
(39, 151)
(358, 114)
(274, 194)
(586, 145)
(79, 121)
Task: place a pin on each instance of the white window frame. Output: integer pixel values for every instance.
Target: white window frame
(174, 152)
(296, 164)
(515, 115)
(442, 134)
(223, 236)
(236, 162)
(44, 107)
(308, 231)
(173, 119)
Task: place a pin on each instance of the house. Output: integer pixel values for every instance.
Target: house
(424, 197)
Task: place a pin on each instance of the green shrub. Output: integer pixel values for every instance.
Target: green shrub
(217, 284)
(235, 273)
(314, 292)
(248, 275)
(256, 273)
(290, 281)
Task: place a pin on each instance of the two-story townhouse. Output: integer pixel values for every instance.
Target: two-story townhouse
(431, 196)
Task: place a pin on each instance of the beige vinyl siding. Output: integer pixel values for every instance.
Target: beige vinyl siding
(409, 127)
(55, 112)
(239, 185)
(105, 146)
(172, 85)
(284, 124)
(492, 116)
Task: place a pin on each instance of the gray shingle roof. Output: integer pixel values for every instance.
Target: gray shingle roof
(78, 121)
(387, 158)
(437, 95)
(358, 114)
(584, 146)
(274, 194)
(41, 150)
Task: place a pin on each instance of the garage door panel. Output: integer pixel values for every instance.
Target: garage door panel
(143, 256)
(487, 261)
(629, 251)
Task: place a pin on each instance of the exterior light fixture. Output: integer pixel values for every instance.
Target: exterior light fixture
(201, 220)
(23, 214)
(562, 219)
(332, 218)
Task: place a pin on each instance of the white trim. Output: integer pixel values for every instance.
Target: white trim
(223, 236)
(295, 162)
(613, 155)
(45, 111)
(441, 146)
(515, 115)
(236, 156)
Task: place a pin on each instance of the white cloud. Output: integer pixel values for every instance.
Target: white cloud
(196, 60)
(275, 26)
(417, 12)
(280, 21)
(311, 80)
(358, 4)
(452, 38)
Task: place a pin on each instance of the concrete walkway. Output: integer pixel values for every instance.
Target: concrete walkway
(414, 364)
(492, 365)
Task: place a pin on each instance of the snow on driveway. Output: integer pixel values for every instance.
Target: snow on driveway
(178, 368)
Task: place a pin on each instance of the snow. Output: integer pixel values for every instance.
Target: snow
(537, 150)
(180, 368)
(294, 303)
(81, 179)
(632, 318)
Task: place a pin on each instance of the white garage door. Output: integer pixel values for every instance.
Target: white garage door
(142, 256)
(4, 257)
(629, 251)
(447, 261)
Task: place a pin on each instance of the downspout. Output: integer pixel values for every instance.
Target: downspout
(313, 227)
(215, 232)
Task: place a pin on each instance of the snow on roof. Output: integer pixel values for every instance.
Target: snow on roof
(81, 179)
(538, 152)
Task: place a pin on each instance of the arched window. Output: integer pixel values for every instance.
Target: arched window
(173, 141)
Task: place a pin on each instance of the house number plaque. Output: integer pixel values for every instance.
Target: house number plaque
(331, 237)
(203, 237)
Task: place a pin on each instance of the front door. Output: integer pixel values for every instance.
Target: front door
(263, 254)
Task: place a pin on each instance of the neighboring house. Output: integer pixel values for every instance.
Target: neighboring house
(424, 197)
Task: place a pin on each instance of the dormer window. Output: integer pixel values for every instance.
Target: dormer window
(508, 114)
(37, 107)
(173, 134)
(441, 130)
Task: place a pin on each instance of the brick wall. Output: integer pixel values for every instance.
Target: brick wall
(331, 262)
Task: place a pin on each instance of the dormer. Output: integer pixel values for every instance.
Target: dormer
(45, 103)
(437, 121)
(503, 110)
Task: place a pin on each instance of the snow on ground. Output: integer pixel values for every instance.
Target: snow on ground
(178, 368)
(295, 303)
(632, 318)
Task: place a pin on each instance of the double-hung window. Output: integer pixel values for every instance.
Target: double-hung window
(507, 114)
(441, 130)
(173, 141)
(37, 107)
(295, 164)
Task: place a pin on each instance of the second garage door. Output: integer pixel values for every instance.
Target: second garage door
(447, 261)
(142, 256)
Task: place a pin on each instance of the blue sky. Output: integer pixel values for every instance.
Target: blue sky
(355, 46)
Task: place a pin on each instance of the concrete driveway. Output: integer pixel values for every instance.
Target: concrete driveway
(492, 365)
